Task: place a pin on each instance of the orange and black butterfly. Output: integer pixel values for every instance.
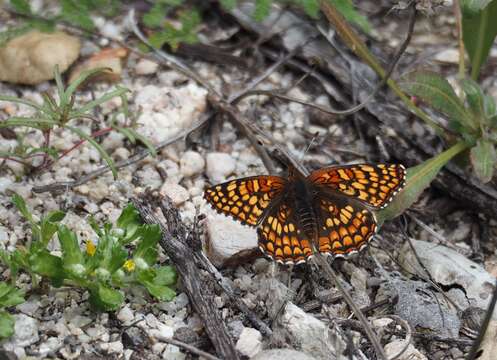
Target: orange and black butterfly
(330, 211)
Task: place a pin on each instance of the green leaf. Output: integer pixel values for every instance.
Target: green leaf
(165, 275)
(154, 18)
(97, 146)
(479, 31)
(157, 290)
(55, 216)
(105, 298)
(10, 295)
(483, 158)
(45, 264)
(21, 6)
(474, 97)
(474, 6)
(146, 248)
(7, 323)
(20, 204)
(227, 4)
(436, 91)
(348, 11)
(132, 136)
(418, 179)
(72, 256)
(75, 14)
(261, 10)
(129, 221)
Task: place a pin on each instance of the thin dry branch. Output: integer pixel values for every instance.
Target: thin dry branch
(65, 185)
(278, 94)
(197, 285)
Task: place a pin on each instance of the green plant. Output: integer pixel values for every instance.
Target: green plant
(479, 29)
(9, 296)
(60, 112)
(102, 269)
(70, 11)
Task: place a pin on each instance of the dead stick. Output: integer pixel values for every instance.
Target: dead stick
(199, 291)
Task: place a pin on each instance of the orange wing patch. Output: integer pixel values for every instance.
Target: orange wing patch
(280, 238)
(245, 199)
(375, 185)
(344, 230)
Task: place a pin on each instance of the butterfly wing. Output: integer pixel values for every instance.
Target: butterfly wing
(280, 237)
(245, 199)
(345, 227)
(375, 185)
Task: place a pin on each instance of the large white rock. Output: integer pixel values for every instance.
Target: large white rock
(219, 166)
(30, 58)
(227, 238)
(250, 342)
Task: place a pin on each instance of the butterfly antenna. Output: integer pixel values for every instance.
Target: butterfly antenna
(314, 138)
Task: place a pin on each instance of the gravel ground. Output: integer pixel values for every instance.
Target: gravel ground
(298, 304)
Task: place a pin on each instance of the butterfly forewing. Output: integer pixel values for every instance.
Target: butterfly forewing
(373, 184)
(245, 199)
(344, 227)
(280, 237)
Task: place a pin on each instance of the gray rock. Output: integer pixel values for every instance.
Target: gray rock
(421, 308)
(312, 335)
(25, 332)
(282, 354)
(447, 267)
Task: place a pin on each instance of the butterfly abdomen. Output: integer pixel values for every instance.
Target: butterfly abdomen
(304, 210)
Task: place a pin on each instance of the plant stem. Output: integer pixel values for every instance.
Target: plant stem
(460, 42)
(357, 45)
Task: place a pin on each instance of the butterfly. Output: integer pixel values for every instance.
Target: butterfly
(331, 211)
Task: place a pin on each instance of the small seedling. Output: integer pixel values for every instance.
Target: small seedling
(102, 268)
(61, 112)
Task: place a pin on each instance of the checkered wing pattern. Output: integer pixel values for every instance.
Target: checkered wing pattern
(245, 199)
(375, 185)
(345, 228)
(280, 237)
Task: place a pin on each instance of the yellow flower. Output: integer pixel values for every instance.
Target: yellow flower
(129, 265)
(90, 248)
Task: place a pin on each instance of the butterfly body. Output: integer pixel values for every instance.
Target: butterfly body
(330, 211)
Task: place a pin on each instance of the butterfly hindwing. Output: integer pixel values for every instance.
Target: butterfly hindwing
(280, 237)
(344, 227)
(375, 185)
(245, 199)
